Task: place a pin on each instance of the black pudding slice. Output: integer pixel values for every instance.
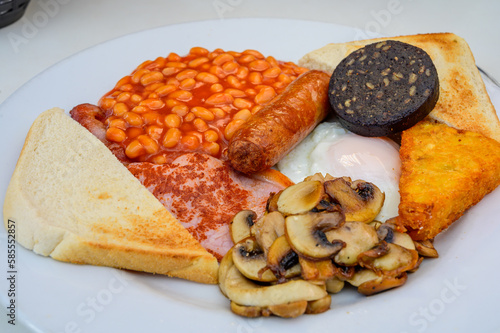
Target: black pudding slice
(384, 88)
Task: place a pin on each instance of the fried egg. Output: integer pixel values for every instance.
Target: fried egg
(334, 150)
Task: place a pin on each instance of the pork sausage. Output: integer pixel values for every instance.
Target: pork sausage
(278, 127)
(92, 118)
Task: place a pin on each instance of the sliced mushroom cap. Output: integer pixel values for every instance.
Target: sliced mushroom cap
(426, 248)
(369, 282)
(387, 231)
(241, 224)
(306, 233)
(243, 291)
(319, 306)
(389, 259)
(403, 240)
(361, 276)
(361, 201)
(224, 266)
(246, 311)
(250, 260)
(334, 285)
(289, 310)
(382, 283)
(282, 260)
(268, 228)
(300, 198)
(358, 237)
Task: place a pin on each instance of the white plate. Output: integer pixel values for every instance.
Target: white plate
(456, 292)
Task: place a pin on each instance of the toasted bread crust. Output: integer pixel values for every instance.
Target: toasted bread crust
(73, 200)
(444, 172)
(463, 100)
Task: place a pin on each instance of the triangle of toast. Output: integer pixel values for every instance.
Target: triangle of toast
(72, 200)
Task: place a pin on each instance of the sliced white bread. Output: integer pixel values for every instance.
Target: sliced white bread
(72, 200)
(463, 100)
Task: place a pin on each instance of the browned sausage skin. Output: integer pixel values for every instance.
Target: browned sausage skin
(276, 129)
(92, 118)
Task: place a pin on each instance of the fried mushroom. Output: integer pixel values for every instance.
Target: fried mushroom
(389, 259)
(300, 198)
(240, 225)
(382, 283)
(387, 231)
(306, 233)
(426, 248)
(361, 201)
(289, 310)
(369, 283)
(268, 228)
(282, 260)
(246, 311)
(243, 291)
(334, 285)
(358, 238)
(313, 238)
(361, 276)
(250, 260)
(224, 266)
(319, 306)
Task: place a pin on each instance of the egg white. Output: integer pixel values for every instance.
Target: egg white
(332, 149)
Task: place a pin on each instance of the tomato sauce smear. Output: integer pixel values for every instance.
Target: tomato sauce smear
(204, 194)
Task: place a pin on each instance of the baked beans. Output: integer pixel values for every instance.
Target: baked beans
(191, 103)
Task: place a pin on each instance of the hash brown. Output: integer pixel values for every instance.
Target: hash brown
(444, 172)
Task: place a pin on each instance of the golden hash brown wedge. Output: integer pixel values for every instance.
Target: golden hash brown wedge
(444, 172)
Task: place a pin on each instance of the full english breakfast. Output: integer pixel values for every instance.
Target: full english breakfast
(229, 168)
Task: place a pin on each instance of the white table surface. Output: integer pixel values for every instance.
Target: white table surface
(52, 30)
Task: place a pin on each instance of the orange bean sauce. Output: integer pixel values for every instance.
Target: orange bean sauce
(193, 103)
